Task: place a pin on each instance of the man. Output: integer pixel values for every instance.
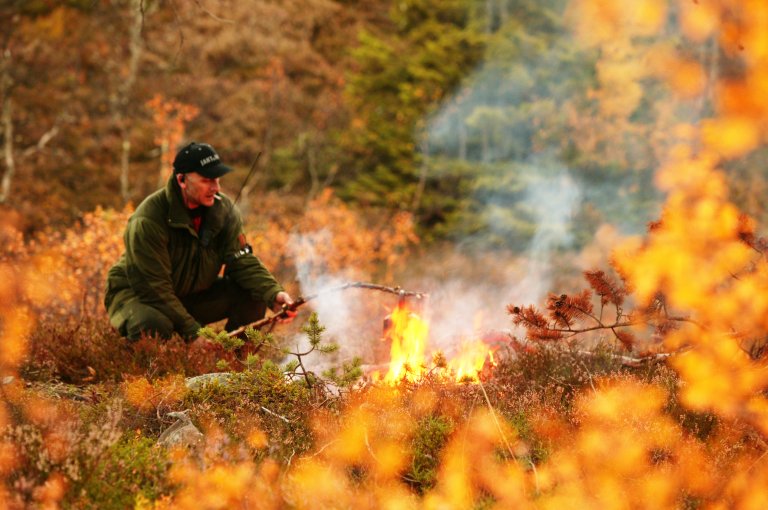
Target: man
(176, 242)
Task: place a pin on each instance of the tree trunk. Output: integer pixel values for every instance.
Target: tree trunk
(489, 21)
(503, 12)
(10, 165)
(136, 49)
(125, 164)
(462, 127)
(422, 174)
(162, 175)
(7, 125)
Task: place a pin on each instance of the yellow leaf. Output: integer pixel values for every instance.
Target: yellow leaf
(731, 136)
(698, 20)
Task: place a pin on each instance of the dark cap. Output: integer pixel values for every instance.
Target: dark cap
(200, 158)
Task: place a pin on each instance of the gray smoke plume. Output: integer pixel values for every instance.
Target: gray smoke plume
(533, 206)
(344, 314)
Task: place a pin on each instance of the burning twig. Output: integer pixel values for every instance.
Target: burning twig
(303, 300)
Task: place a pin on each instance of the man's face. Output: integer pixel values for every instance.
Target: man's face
(198, 190)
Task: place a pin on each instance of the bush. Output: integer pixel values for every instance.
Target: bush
(91, 351)
(132, 468)
(431, 435)
(262, 398)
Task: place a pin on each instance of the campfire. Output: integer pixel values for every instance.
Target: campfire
(407, 335)
(411, 357)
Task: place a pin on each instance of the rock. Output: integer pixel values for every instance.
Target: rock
(181, 433)
(194, 383)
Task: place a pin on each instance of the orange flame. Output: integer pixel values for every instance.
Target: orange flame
(409, 335)
(470, 360)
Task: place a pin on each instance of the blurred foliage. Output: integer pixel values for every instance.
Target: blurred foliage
(431, 435)
(329, 236)
(132, 468)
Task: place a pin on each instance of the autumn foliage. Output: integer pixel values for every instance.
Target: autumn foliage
(331, 238)
(646, 389)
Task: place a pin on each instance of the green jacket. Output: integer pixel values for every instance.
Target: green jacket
(165, 259)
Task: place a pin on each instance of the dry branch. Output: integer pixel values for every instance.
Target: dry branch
(283, 312)
(632, 361)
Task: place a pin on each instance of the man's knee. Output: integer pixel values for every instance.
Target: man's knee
(244, 310)
(148, 321)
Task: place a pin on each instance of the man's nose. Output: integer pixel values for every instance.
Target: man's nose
(215, 185)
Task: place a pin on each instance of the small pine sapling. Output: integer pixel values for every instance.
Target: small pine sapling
(351, 372)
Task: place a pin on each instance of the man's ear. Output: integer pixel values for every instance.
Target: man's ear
(180, 179)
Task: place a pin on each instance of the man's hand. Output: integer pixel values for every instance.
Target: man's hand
(283, 302)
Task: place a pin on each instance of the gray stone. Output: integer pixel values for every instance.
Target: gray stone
(194, 383)
(181, 433)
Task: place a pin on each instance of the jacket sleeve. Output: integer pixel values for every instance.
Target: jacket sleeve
(148, 266)
(245, 268)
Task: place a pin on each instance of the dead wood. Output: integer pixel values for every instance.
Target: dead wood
(283, 312)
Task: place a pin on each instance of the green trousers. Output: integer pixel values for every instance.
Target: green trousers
(223, 300)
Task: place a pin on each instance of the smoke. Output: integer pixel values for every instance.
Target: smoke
(468, 304)
(467, 293)
(536, 202)
(552, 203)
(345, 314)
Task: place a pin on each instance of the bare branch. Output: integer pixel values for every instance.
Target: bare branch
(42, 142)
(631, 361)
(286, 420)
(303, 300)
(212, 15)
(572, 332)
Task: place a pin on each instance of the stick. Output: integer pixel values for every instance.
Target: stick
(630, 361)
(247, 177)
(302, 300)
(286, 420)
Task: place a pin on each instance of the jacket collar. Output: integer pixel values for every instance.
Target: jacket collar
(178, 214)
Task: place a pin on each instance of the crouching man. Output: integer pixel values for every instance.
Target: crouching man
(176, 242)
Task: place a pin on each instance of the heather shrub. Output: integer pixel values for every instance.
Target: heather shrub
(260, 397)
(431, 435)
(76, 352)
(554, 372)
(56, 452)
(90, 351)
(132, 469)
